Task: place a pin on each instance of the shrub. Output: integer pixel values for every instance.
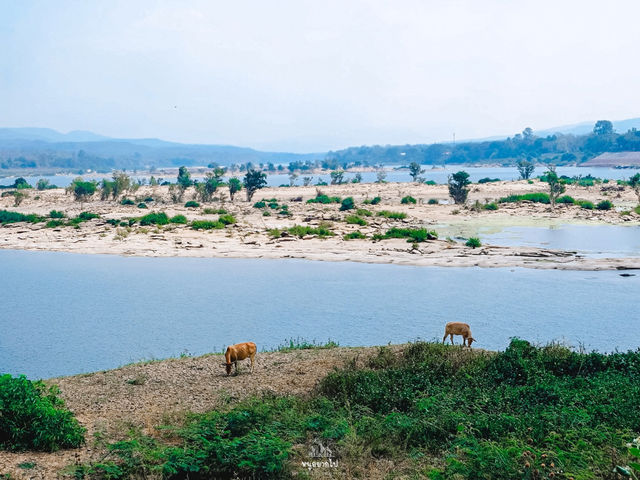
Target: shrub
(538, 197)
(260, 204)
(154, 218)
(430, 182)
(214, 211)
(354, 235)
(206, 225)
(408, 200)
(227, 219)
(302, 230)
(488, 180)
(566, 199)
(604, 205)
(363, 212)
(458, 183)
(274, 233)
(586, 204)
(179, 219)
(142, 205)
(432, 201)
(637, 209)
(321, 198)
(56, 214)
(127, 201)
(148, 199)
(355, 220)
(266, 213)
(490, 206)
(347, 204)
(411, 234)
(192, 204)
(33, 417)
(373, 201)
(473, 242)
(54, 223)
(392, 215)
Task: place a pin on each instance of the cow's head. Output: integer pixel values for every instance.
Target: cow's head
(228, 367)
(470, 340)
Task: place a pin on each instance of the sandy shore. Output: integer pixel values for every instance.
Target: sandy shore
(249, 237)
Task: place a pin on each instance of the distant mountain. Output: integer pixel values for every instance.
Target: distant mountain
(47, 148)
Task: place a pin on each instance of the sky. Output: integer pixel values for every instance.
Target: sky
(312, 76)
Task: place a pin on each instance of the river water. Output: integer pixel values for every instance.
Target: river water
(64, 313)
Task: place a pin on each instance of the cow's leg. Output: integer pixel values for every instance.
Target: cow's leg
(236, 364)
(451, 336)
(252, 357)
(444, 338)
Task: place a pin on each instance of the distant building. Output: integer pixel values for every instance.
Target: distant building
(614, 159)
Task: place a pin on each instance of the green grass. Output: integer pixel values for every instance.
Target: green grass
(214, 211)
(207, 225)
(586, 204)
(363, 212)
(54, 223)
(227, 219)
(154, 218)
(490, 206)
(373, 201)
(438, 411)
(302, 230)
(604, 205)
(178, 219)
(411, 234)
(408, 200)
(539, 197)
(15, 217)
(566, 199)
(56, 214)
(392, 215)
(355, 220)
(354, 235)
(473, 242)
(302, 344)
(324, 199)
(192, 204)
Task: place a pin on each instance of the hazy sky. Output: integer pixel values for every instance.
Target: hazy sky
(316, 75)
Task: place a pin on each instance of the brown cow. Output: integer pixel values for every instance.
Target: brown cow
(239, 351)
(458, 328)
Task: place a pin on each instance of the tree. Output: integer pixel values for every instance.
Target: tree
(458, 186)
(381, 175)
(527, 132)
(525, 168)
(337, 177)
(306, 181)
(82, 190)
(235, 185)
(603, 127)
(184, 178)
(253, 181)
(634, 182)
(43, 184)
(292, 179)
(121, 183)
(206, 189)
(555, 187)
(415, 171)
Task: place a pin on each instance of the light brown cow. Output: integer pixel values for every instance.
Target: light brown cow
(458, 328)
(239, 351)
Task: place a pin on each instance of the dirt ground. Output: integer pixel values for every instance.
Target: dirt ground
(146, 395)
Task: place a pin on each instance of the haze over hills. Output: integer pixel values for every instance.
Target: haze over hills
(44, 148)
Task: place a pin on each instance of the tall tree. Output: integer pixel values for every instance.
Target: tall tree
(603, 127)
(253, 181)
(458, 186)
(234, 186)
(555, 187)
(525, 168)
(415, 171)
(184, 177)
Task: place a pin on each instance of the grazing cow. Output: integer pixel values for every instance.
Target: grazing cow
(239, 351)
(458, 328)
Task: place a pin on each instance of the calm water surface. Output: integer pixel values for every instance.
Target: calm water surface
(65, 314)
(437, 175)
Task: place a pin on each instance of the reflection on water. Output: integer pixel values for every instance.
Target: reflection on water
(65, 313)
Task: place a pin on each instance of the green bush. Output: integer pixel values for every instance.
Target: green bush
(488, 180)
(539, 197)
(14, 217)
(355, 220)
(56, 214)
(84, 216)
(566, 199)
(302, 230)
(54, 223)
(604, 205)
(179, 219)
(473, 242)
(227, 219)
(266, 213)
(148, 199)
(321, 198)
(192, 204)
(408, 200)
(392, 215)
(430, 182)
(411, 234)
(363, 212)
(373, 201)
(206, 225)
(260, 204)
(586, 204)
(214, 211)
(490, 206)
(154, 218)
(127, 201)
(354, 235)
(347, 204)
(142, 205)
(432, 201)
(637, 209)
(33, 417)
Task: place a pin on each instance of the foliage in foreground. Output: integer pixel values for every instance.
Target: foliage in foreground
(411, 234)
(525, 413)
(33, 417)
